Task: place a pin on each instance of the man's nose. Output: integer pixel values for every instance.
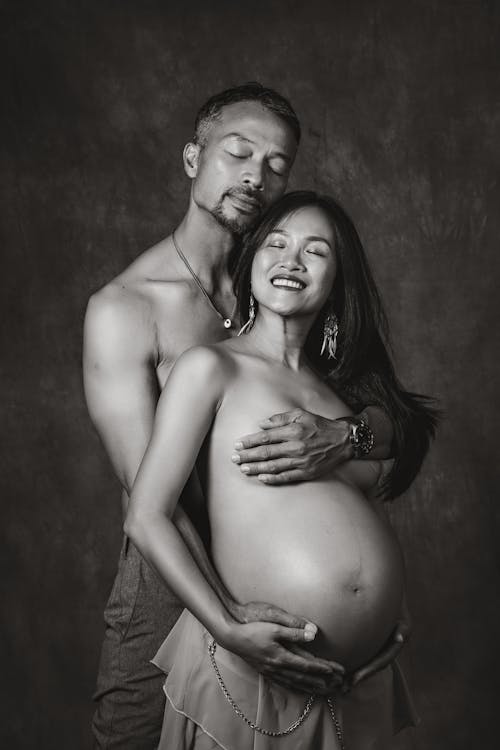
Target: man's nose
(253, 176)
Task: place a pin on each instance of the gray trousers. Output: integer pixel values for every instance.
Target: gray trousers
(139, 614)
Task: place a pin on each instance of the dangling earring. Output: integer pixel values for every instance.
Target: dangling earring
(251, 316)
(330, 331)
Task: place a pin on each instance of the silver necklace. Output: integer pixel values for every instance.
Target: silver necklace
(226, 322)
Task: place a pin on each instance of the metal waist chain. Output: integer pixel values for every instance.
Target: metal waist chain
(212, 646)
(336, 723)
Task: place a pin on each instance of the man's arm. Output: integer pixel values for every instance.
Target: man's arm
(119, 379)
(296, 446)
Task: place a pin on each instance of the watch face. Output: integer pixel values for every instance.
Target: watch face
(361, 439)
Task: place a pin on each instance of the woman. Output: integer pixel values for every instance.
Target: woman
(321, 548)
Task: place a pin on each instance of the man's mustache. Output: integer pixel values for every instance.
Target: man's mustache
(247, 192)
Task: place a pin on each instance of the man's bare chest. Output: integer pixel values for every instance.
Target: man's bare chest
(183, 327)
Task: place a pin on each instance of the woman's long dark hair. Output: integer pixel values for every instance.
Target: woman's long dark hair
(362, 372)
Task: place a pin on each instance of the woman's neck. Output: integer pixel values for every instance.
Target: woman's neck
(280, 339)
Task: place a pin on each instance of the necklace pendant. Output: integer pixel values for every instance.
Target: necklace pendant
(227, 323)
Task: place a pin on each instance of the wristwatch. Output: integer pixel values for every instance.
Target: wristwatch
(360, 436)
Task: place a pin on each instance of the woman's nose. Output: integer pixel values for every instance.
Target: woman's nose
(291, 259)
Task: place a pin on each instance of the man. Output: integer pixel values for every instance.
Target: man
(176, 295)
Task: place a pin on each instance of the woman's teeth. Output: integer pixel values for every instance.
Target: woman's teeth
(288, 283)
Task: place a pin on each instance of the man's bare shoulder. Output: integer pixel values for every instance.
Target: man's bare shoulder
(127, 309)
(118, 308)
(136, 286)
(158, 263)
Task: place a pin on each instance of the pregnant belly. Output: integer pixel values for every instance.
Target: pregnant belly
(321, 552)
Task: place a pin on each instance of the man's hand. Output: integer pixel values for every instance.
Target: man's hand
(293, 447)
(396, 642)
(277, 652)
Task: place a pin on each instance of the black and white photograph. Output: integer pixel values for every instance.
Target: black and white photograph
(250, 366)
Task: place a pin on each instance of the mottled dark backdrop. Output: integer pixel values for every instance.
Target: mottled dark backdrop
(401, 121)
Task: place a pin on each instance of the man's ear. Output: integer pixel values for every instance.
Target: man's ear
(191, 156)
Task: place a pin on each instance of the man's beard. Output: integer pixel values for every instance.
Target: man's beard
(240, 223)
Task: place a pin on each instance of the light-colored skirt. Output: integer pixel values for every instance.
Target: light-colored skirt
(198, 715)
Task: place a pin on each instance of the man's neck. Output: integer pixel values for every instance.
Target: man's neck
(206, 245)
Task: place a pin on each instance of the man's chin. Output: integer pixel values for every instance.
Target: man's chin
(237, 224)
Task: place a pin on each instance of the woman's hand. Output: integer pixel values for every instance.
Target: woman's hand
(277, 652)
(264, 612)
(399, 637)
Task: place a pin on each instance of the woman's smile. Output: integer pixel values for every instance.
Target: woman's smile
(289, 283)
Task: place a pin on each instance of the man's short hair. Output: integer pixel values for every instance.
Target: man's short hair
(247, 92)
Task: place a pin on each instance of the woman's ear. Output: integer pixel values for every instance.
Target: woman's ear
(190, 157)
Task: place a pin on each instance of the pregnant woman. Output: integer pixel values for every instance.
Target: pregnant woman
(324, 548)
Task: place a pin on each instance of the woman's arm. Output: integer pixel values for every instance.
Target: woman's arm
(185, 412)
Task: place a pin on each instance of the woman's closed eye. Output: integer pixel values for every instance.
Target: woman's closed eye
(317, 250)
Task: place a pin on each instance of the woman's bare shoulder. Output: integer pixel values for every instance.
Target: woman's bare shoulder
(206, 362)
(197, 382)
